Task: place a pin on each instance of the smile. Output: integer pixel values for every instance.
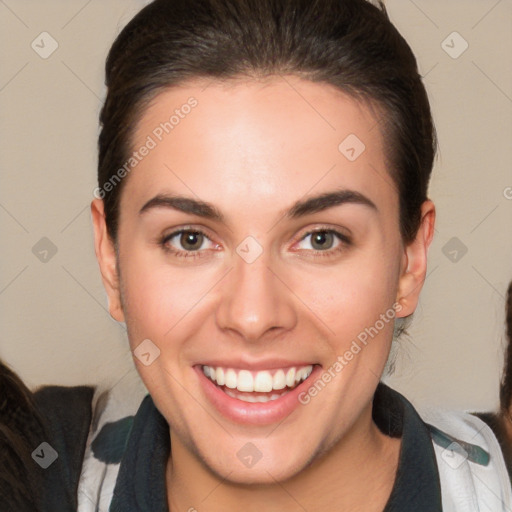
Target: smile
(255, 397)
(262, 381)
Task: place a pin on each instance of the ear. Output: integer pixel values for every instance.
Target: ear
(106, 256)
(414, 261)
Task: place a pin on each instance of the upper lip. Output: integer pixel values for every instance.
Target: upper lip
(267, 364)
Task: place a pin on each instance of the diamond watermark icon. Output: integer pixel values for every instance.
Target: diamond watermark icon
(45, 455)
(249, 455)
(146, 352)
(454, 250)
(454, 455)
(44, 250)
(249, 249)
(454, 45)
(351, 147)
(44, 45)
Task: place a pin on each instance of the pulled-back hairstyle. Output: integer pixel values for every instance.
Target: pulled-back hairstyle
(350, 44)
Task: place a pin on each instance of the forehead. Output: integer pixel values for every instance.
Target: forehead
(261, 140)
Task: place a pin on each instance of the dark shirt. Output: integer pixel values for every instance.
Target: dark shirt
(67, 413)
(141, 484)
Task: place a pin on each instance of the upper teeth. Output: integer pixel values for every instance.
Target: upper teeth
(263, 381)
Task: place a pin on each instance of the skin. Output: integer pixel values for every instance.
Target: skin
(252, 149)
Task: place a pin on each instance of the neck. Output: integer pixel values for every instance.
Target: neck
(362, 463)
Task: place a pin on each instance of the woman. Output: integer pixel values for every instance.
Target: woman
(261, 221)
(42, 444)
(251, 131)
(20, 427)
(43, 437)
(501, 422)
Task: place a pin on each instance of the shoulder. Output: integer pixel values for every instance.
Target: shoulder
(471, 465)
(498, 424)
(66, 415)
(113, 413)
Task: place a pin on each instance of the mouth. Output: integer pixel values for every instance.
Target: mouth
(260, 386)
(256, 397)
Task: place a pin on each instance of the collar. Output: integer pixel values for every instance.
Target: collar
(417, 485)
(141, 482)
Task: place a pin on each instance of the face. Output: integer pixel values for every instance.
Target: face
(249, 272)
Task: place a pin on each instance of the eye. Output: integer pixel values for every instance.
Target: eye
(323, 239)
(191, 240)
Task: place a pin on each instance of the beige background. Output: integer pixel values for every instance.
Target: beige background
(54, 325)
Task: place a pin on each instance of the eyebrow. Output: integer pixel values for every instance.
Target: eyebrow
(299, 209)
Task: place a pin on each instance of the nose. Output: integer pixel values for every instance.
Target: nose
(255, 299)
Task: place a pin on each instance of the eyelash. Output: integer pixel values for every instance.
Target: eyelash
(344, 239)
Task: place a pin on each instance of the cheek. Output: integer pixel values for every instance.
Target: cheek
(158, 296)
(161, 299)
(351, 295)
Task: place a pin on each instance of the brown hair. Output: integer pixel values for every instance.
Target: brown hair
(20, 433)
(500, 421)
(506, 383)
(350, 44)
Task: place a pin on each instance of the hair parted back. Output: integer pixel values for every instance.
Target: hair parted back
(350, 44)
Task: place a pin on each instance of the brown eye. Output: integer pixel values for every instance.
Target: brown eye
(325, 242)
(322, 240)
(191, 240)
(187, 243)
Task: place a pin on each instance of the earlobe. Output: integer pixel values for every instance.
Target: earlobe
(106, 256)
(414, 262)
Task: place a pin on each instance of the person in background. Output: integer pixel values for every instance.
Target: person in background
(501, 421)
(20, 429)
(43, 433)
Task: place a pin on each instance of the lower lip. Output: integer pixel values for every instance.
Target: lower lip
(259, 413)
